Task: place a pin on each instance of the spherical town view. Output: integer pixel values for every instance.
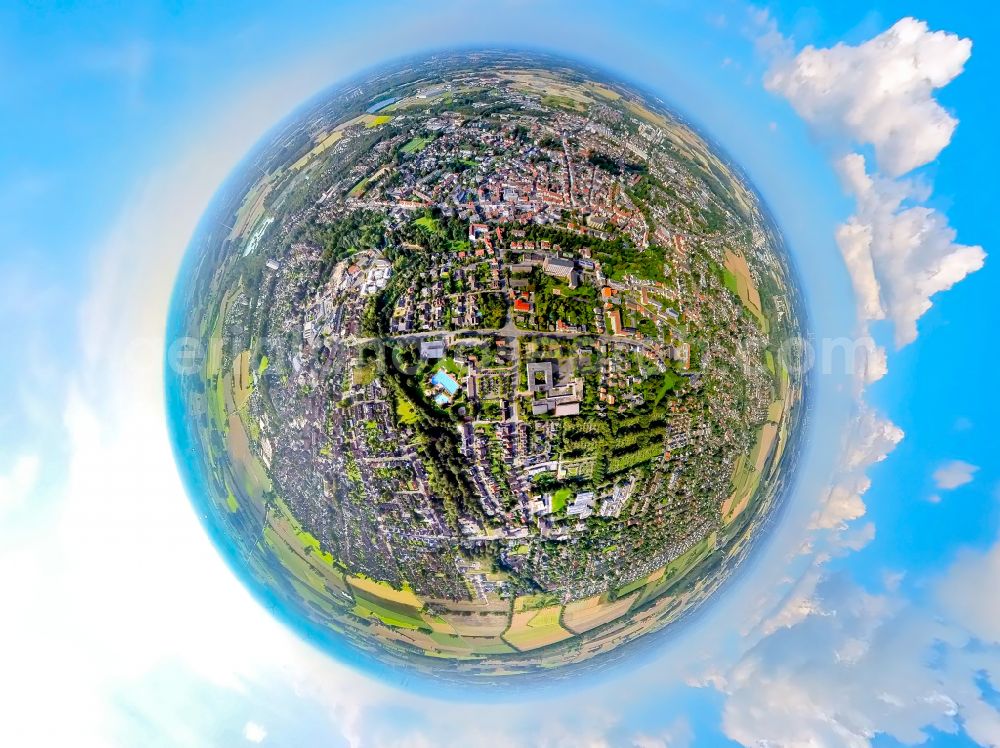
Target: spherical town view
(493, 375)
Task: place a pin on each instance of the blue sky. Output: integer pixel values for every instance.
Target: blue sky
(865, 621)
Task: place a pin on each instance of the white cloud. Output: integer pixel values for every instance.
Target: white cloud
(871, 440)
(18, 483)
(966, 592)
(855, 241)
(953, 474)
(876, 365)
(678, 735)
(254, 733)
(879, 92)
(843, 505)
(835, 665)
(768, 40)
(856, 666)
(846, 664)
(818, 671)
(899, 254)
(797, 605)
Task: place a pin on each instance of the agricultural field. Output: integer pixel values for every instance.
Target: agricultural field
(416, 144)
(535, 628)
(580, 616)
(739, 276)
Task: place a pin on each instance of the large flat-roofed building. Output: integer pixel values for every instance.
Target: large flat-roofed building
(558, 267)
(430, 349)
(582, 505)
(567, 409)
(544, 369)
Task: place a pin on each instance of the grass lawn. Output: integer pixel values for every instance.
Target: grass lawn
(451, 366)
(559, 499)
(405, 411)
(416, 145)
(428, 223)
(364, 375)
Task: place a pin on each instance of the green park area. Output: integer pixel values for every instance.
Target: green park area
(415, 145)
(559, 499)
(428, 223)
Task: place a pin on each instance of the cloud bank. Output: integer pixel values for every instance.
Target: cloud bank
(860, 664)
(899, 253)
(837, 664)
(880, 93)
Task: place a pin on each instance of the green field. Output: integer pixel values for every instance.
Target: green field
(631, 587)
(359, 189)
(730, 281)
(405, 411)
(416, 145)
(428, 223)
(559, 499)
(473, 645)
(370, 601)
(368, 608)
(563, 102)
